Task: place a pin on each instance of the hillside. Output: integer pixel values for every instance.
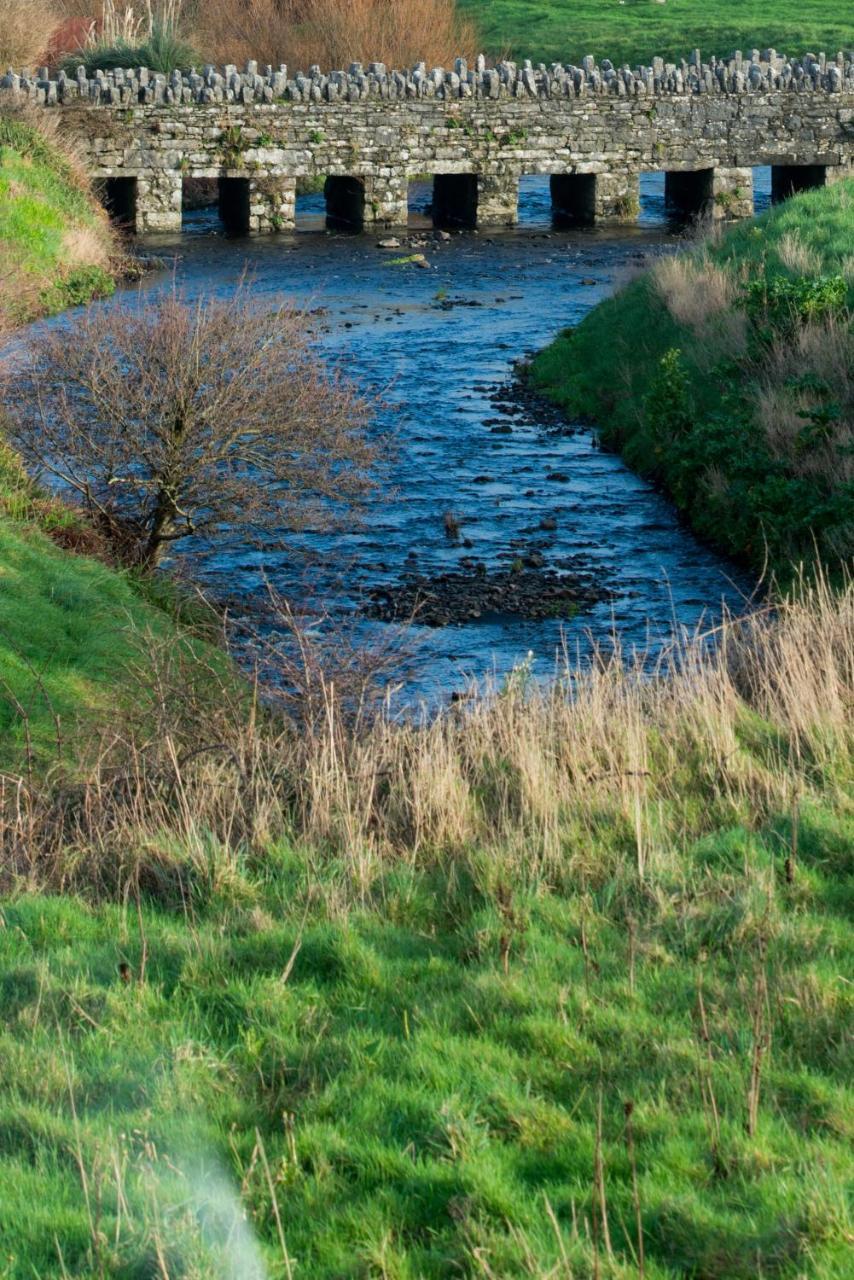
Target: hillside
(634, 31)
(725, 375)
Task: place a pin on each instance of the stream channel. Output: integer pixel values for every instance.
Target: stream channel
(527, 488)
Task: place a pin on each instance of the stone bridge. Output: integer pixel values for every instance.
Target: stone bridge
(593, 128)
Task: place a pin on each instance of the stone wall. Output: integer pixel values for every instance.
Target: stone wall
(593, 128)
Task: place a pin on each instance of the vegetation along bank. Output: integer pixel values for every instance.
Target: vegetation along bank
(727, 375)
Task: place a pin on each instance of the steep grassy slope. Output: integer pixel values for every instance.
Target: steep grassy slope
(726, 375)
(55, 243)
(635, 30)
(76, 635)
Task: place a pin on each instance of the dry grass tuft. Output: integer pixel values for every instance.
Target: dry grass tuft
(87, 247)
(787, 397)
(702, 296)
(693, 289)
(797, 256)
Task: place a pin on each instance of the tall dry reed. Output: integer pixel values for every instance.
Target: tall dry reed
(614, 763)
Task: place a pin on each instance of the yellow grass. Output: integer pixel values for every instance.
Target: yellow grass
(661, 750)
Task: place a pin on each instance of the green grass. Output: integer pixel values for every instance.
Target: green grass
(75, 634)
(422, 1111)
(54, 241)
(566, 30)
(690, 419)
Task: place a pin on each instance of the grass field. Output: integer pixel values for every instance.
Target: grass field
(725, 375)
(522, 994)
(636, 30)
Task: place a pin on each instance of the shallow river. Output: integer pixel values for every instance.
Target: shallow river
(439, 344)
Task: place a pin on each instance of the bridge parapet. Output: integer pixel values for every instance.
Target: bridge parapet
(759, 72)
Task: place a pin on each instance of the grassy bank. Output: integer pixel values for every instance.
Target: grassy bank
(636, 30)
(725, 375)
(56, 246)
(77, 633)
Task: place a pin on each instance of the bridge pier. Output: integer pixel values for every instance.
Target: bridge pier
(387, 200)
(732, 194)
(497, 200)
(159, 201)
(272, 204)
(580, 199)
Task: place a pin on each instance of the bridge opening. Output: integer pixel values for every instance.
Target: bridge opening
(199, 193)
(233, 202)
(345, 203)
(788, 179)
(573, 199)
(455, 200)
(689, 195)
(118, 196)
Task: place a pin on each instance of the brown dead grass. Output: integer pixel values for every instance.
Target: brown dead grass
(87, 247)
(703, 296)
(332, 33)
(26, 27)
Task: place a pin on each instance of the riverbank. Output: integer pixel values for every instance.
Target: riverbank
(724, 375)
(57, 248)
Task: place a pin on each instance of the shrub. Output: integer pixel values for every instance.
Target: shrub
(777, 305)
(171, 419)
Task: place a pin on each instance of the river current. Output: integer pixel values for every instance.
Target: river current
(439, 345)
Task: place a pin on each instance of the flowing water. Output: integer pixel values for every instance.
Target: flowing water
(439, 344)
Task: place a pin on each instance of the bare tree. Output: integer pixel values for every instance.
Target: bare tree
(170, 418)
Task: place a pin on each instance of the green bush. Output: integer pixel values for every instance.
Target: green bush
(777, 305)
(163, 50)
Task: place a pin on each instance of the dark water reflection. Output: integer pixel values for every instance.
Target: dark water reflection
(438, 367)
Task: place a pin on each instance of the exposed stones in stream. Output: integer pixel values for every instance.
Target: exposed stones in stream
(523, 591)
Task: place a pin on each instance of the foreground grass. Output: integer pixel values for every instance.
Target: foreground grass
(636, 30)
(725, 375)
(416, 1107)
(55, 243)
